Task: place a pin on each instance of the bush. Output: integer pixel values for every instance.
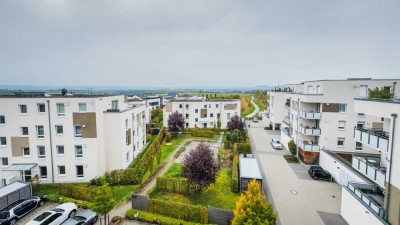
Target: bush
(151, 218)
(242, 148)
(292, 147)
(202, 133)
(81, 191)
(79, 203)
(188, 212)
(235, 175)
(174, 185)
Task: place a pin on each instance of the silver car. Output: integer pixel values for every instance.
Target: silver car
(276, 144)
(85, 217)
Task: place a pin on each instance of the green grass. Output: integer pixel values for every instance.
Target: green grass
(248, 112)
(123, 191)
(291, 159)
(218, 194)
(175, 171)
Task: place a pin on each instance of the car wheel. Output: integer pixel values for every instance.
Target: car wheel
(315, 177)
(41, 203)
(13, 221)
(94, 220)
(72, 213)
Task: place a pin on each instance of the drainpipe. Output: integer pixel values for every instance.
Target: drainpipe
(51, 143)
(394, 116)
(394, 88)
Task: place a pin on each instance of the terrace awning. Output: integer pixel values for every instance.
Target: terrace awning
(20, 167)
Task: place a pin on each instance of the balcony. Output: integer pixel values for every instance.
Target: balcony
(308, 147)
(367, 194)
(367, 168)
(286, 131)
(286, 120)
(377, 139)
(310, 115)
(310, 131)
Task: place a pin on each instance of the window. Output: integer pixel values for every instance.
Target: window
(60, 149)
(360, 124)
(78, 151)
(78, 131)
(209, 106)
(187, 124)
(43, 172)
(340, 142)
(127, 157)
(127, 139)
(24, 131)
(363, 91)
(342, 124)
(41, 108)
(211, 114)
(228, 115)
(205, 106)
(187, 106)
(2, 119)
(361, 114)
(309, 89)
(41, 152)
(126, 124)
(40, 131)
(359, 146)
(26, 151)
(82, 107)
(4, 161)
(196, 120)
(386, 88)
(3, 141)
(79, 171)
(187, 116)
(59, 129)
(61, 170)
(114, 104)
(180, 106)
(23, 109)
(216, 106)
(318, 89)
(60, 109)
(342, 108)
(218, 115)
(196, 111)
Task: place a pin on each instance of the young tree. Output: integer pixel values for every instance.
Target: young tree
(219, 123)
(235, 123)
(292, 147)
(251, 208)
(380, 93)
(200, 167)
(175, 122)
(104, 200)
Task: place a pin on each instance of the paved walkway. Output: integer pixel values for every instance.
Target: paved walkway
(256, 108)
(296, 197)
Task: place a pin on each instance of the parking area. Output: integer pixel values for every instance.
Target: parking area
(297, 198)
(36, 212)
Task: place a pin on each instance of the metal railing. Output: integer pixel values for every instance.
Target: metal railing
(308, 147)
(310, 115)
(366, 168)
(378, 139)
(310, 131)
(286, 120)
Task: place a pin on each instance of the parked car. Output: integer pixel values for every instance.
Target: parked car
(255, 120)
(55, 216)
(276, 144)
(317, 172)
(10, 214)
(86, 217)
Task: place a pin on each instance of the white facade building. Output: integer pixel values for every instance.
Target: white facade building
(203, 113)
(71, 138)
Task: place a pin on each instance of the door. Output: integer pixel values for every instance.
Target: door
(27, 175)
(204, 125)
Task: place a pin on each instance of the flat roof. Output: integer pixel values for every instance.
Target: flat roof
(347, 79)
(53, 95)
(12, 187)
(393, 101)
(249, 168)
(204, 100)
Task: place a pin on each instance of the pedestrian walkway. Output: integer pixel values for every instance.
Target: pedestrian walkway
(256, 108)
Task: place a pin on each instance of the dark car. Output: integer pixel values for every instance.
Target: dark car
(318, 173)
(10, 214)
(85, 217)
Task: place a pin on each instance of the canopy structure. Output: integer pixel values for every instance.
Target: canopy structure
(20, 167)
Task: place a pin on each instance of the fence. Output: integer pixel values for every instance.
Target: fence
(140, 202)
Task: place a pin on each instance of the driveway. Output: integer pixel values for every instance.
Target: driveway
(296, 197)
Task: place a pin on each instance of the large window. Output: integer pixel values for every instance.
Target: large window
(2, 119)
(78, 151)
(342, 124)
(180, 106)
(26, 151)
(196, 111)
(79, 171)
(78, 131)
(342, 108)
(187, 116)
(24, 131)
(40, 131)
(3, 141)
(61, 170)
(60, 149)
(114, 104)
(43, 172)
(363, 91)
(23, 109)
(4, 161)
(340, 142)
(60, 109)
(41, 107)
(82, 107)
(59, 129)
(41, 152)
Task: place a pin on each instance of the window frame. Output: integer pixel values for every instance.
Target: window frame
(83, 172)
(60, 114)
(76, 147)
(41, 156)
(62, 128)
(59, 170)
(40, 173)
(342, 140)
(38, 108)
(20, 109)
(22, 131)
(2, 162)
(37, 132)
(5, 141)
(342, 122)
(345, 107)
(4, 120)
(58, 148)
(23, 151)
(82, 104)
(359, 148)
(75, 133)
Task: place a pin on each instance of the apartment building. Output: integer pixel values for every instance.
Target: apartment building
(276, 113)
(203, 113)
(320, 114)
(68, 138)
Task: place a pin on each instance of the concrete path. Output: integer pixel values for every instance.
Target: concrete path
(296, 197)
(256, 108)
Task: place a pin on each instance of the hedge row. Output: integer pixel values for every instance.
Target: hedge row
(62, 199)
(152, 218)
(75, 191)
(202, 133)
(235, 174)
(174, 185)
(242, 148)
(127, 176)
(188, 212)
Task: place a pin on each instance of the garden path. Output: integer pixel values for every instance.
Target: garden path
(256, 108)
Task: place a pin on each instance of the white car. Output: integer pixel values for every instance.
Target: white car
(55, 216)
(276, 144)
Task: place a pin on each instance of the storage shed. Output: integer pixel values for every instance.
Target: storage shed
(13, 192)
(248, 170)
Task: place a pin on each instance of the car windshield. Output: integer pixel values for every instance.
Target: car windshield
(58, 210)
(42, 216)
(3, 215)
(79, 218)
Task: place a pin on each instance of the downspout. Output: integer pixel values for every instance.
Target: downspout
(394, 89)
(51, 143)
(394, 115)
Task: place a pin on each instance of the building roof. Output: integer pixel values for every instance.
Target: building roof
(249, 168)
(348, 79)
(36, 94)
(12, 187)
(204, 100)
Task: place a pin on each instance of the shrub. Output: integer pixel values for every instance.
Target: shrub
(63, 199)
(188, 212)
(235, 123)
(202, 133)
(242, 148)
(174, 185)
(235, 175)
(151, 218)
(292, 147)
(75, 191)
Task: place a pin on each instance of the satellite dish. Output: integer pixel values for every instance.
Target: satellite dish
(63, 91)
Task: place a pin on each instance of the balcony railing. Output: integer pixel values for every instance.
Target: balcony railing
(310, 131)
(308, 147)
(310, 115)
(286, 120)
(369, 170)
(368, 195)
(375, 138)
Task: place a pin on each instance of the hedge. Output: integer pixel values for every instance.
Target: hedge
(126, 176)
(235, 175)
(183, 211)
(202, 133)
(242, 148)
(70, 190)
(174, 185)
(152, 218)
(79, 203)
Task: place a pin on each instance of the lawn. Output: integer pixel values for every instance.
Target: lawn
(175, 171)
(218, 194)
(247, 112)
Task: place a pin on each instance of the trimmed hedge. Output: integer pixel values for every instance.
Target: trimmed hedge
(79, 203)
(70, 190)
(235, 175)
(242, 148)
(202, 133)
(126, 176)
(152, 218)
(174, 185)
(188, 212)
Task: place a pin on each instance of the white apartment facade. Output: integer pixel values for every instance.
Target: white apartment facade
(203, 113)
(71, 138)
(276, 113)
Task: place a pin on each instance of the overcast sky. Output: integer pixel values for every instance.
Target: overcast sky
(196, 43)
